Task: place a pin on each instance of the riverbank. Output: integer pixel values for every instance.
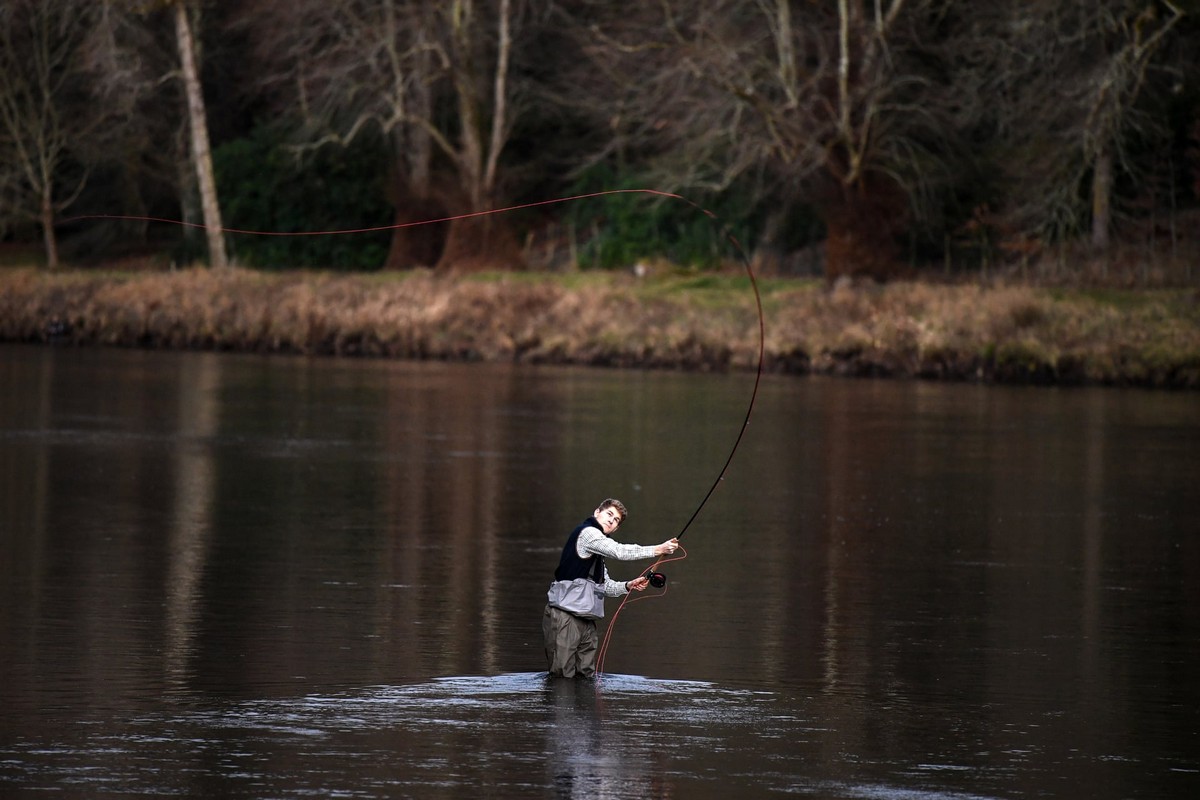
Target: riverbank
(1002, 334)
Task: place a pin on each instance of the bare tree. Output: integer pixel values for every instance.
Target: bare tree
(848, 103)
(483, 131)
(45, 116)
(1067, 77)
(198, 123)
(143, 149)
(138, 66)
(1112, 111)
(433, 78)
(131, 68)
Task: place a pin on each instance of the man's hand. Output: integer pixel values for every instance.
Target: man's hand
(666, 548)
(638, 584)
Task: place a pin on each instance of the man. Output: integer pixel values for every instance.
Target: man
(581, 582)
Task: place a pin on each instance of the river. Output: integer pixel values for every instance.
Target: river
(243, 576)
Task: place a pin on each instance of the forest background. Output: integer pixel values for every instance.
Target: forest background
(1047, 143)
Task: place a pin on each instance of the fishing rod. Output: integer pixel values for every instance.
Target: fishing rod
(657, 579)
(757, 374)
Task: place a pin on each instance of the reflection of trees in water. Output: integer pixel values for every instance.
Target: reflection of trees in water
(116, 498)
(471, 458)
(191, 520)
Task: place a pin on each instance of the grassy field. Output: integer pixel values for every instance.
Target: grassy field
(972, 332)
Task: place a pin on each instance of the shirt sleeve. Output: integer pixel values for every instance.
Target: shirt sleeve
(613, 588)
(593, 542)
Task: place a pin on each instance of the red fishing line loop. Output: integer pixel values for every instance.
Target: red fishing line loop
(629, 599)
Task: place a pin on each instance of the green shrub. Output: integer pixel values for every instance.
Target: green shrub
(618, 230)
(265, 186)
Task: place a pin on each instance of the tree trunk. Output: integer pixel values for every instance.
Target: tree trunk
(499, 99)
(488, 241)
(201, 153)
(481, 243)
(862, 224)
(415, 245)
(48, 235)
(414, 201)
(189, 207)
(470, 138)
(1102, 200)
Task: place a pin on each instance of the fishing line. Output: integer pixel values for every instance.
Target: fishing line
(553, 201)
(379, 228)
(652, 572)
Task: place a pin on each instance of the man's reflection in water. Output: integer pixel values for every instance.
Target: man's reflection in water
(591, 756)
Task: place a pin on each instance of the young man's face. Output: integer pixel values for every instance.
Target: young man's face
(609, 518)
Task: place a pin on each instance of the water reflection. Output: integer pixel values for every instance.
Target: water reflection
(191, 522)
(900, 590)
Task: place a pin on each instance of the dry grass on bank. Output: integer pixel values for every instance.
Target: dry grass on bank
(971, 332)
(1002, 333)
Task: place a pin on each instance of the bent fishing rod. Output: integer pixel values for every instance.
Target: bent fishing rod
(657, 579)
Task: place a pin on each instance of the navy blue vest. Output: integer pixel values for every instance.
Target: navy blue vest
(571, 566)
